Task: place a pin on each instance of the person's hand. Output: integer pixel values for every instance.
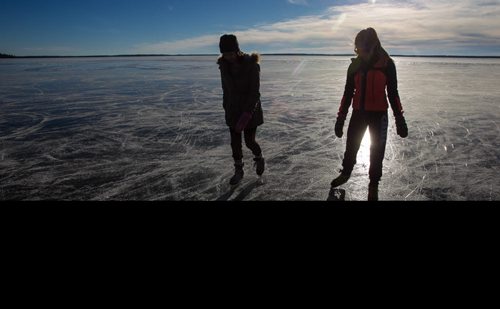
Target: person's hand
(339, 126)
(243, 121)
(401, 127)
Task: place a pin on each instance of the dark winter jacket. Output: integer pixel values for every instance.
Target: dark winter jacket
(241, 90)
(366, 87)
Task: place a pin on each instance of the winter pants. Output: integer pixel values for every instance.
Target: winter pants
(236, 143)
(377, 123)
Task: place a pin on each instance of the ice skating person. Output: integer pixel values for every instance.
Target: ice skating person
(240, 75)
(368, 77)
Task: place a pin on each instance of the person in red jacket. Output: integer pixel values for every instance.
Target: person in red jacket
(368, 77)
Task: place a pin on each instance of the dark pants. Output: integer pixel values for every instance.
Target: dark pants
(236, 143)
(377, 123)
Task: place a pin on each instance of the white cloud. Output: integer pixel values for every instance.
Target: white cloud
(190, 45)
(299, 2)
(49, 50)
(418, 26)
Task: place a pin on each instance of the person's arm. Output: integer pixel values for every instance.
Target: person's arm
(253, 96)
(224, 85)
(392, 90)
(347, 97)
(395, 101)
(224, 91)
(345, 103)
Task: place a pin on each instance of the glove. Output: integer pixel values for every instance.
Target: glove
(243, 121)
(339, 125)
(401, 127)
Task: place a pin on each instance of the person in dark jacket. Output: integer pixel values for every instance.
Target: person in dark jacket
(240, 75)
(368, 77)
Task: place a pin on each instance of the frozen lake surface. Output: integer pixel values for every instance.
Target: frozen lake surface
(152, 128)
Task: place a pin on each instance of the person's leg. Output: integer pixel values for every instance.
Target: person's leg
(236, 146)
(378, 125)
(252, 144)
(355, 133)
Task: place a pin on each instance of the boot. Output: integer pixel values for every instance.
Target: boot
(341, 179)
(373, 191)
(238, 173)
(260, 165)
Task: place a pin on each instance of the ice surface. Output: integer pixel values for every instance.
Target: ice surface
(153, 128)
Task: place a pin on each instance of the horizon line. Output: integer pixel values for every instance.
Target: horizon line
(264, 54)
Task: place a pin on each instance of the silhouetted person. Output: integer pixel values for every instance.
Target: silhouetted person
(240, 75)
(367, 78)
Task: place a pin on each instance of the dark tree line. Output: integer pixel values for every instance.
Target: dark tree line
(6, 56)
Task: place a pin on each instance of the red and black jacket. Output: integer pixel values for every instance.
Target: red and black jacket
(366, 87)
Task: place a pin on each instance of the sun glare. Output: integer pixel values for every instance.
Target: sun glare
(364, 150)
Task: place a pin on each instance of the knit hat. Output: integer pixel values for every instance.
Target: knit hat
(228, 43)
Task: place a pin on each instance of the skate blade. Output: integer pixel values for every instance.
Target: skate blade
(235, 185)
(261, 181)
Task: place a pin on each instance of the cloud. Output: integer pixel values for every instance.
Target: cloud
(191, 45)
(49, 50)
(415, 26)
(299, 2)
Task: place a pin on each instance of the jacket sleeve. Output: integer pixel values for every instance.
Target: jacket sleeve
(224, 87)
(253, 97)
(348, 94)
(392, 90)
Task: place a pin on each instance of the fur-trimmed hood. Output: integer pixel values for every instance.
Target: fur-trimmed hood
(252, 58)
(255, 57)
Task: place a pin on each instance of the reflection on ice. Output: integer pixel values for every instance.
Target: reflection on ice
(153, 129)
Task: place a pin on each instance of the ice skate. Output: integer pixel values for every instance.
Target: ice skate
(340, 180)
(238, 174)
(260, 165)
(373, 191)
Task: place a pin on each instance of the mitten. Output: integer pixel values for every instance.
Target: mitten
(401, 127)
(339, 126)
(243, 121)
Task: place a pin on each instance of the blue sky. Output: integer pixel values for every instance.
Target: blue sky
(106, 27)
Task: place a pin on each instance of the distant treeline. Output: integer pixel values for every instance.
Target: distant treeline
(6, 56)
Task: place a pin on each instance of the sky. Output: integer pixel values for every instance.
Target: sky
(111, 27)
